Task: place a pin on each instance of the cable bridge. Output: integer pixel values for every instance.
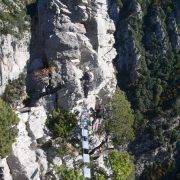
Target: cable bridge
(85, 123)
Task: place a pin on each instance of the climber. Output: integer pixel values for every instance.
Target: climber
(87, 80)
(92, 112)
(51, 89)
(99, 110)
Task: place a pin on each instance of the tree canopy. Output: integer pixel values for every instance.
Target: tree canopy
(122, 165)
(120, 118)
(8, 130)
(61, 123)
(66, 173)
(14, 90)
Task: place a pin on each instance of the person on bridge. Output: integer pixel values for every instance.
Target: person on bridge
(99, 109)
(87, 81)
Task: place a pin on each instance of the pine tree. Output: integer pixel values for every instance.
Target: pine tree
(8, 130)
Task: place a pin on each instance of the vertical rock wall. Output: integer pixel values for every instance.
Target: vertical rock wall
(73, 36)
(14, 54)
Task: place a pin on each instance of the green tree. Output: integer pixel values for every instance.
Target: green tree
(122, 165)
(120, 118)
(161, 170)
(13, 17)
(100, 177)
(8, 130)
(61, 123)
(98, 173)
(14, 90)
(66, 173)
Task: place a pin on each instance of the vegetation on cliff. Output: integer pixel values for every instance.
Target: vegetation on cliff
(66, 173)
(154, 92)
(122, 165)
(120, 119)
(13, 16)
(8, 130)
(61, 123)
(149, 38)
(166, 170)
(15, 90)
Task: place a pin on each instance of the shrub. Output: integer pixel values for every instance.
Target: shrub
(14, 18)
(154, 92)
(100, 177)
(98, 173)
(8, 131)
(61, 123)
(122, 165)
(14, 90)
(120, 118)
(164, 170)
(66, 173)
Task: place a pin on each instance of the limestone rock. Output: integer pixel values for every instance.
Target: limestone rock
(14, 55)
(84, 39)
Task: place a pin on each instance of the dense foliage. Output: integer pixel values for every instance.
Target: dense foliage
(61, 123)
(14, 90)
(8, 131)
(155, 92)
(122, 165)
(98, 173)
(66, 173)
(120, 118)
(13, 18)
(151, 81)
(166, 170)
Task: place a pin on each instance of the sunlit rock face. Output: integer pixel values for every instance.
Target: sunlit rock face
(27, 159)
(68, 39)
(14, 55)
(73, 37)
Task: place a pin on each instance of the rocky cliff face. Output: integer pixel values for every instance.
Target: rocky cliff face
(79, 36)
(68, 40)
(14, 55)
(72, 38)
(14, 40)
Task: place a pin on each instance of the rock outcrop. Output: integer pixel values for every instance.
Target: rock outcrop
(68, 40)
(73, 37)
(27, 159)
(14, 54)
(72, 49)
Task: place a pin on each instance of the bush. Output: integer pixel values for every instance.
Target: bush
(120, 118)
(8, 131)
(61, 123)
(98, 173)
(14, 90)
(122, 165)
(164, 170)
(14, 18)
(100, 177)
(66, 173)
(154, 92)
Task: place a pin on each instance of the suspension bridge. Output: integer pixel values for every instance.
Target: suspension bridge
(85, 123)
